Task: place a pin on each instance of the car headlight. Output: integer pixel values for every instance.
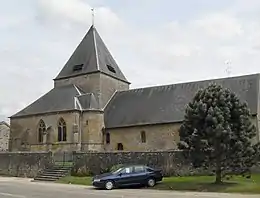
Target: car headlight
(96, 180)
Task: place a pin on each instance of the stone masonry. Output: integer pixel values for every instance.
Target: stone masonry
(24, 164)
(171, 162)
(161, 137)
(4, 136)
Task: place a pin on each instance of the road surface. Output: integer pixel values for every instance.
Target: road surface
(24, 188)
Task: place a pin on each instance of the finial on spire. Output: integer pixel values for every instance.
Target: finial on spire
(93, 16)
(228, 68)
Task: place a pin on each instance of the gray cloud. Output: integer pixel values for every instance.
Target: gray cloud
(37, 40)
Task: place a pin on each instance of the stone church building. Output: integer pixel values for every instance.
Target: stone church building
(92, 108)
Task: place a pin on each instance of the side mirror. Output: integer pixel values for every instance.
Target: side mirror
(120, 174)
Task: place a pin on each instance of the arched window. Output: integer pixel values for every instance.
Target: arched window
(41, 130)
(143, 137)
(108, 138)
(62, 130)
(120, 147)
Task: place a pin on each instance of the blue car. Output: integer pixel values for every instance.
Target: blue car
(128, 176)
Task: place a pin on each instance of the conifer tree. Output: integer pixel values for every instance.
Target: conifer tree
(218, 133)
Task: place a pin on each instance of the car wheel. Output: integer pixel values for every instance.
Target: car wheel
(151, 182)
(109, 185)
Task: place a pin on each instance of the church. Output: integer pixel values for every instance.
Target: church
(92, 108)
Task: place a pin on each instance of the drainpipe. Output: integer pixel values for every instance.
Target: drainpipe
(80, 128)
(77, 103)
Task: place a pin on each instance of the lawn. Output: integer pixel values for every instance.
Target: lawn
(237, 184)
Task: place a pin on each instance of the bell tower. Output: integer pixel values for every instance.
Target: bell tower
(92, 68)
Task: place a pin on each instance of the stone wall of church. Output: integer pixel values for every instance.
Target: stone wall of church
(109, 86)
(24, 132)
(4, 137)
(90, 83)
(92, 131)
(157, 137)
(96, 83)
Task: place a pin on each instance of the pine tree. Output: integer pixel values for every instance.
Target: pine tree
(218, 133)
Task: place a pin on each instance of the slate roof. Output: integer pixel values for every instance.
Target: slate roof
(88, 101)
(59, 99)
(166, 104)
(94, 56)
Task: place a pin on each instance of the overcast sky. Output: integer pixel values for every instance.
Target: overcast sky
(154, 41)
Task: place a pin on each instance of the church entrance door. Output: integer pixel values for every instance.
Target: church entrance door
(63, 158)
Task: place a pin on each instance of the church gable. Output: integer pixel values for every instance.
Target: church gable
(166, 104)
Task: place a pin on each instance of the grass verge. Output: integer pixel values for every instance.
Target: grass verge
(237, 184)
(76, 180)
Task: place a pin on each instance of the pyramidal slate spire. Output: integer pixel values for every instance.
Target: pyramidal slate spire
(91, 56)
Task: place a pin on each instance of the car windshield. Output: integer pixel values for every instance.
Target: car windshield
(117, 171)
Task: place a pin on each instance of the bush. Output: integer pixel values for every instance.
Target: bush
(81, 173)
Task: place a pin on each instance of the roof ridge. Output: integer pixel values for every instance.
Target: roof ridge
(95, 47)
(187, 82)
(79, 92)
(110, 99)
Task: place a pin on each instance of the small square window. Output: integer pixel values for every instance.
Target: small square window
(78, 67)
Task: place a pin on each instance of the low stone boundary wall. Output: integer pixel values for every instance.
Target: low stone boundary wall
(29, 164)
(24, 164)
(171, 162)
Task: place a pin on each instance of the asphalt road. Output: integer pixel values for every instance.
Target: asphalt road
(24, 188)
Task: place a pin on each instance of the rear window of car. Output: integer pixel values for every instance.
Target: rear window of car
(139, 169)
(127, 170)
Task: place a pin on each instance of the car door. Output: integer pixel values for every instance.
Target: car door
(139, 175)
(125, 176)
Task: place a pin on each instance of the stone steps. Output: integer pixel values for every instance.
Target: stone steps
(54, 173)
(57, 169)
(45, 179)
